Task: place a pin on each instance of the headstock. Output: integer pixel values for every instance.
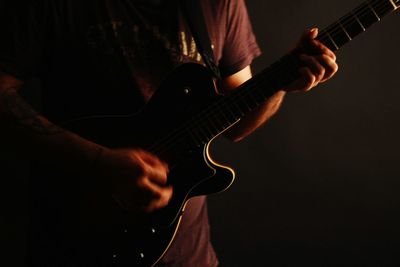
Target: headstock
(395, 3)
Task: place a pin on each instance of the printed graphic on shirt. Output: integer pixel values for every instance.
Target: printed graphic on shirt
(148, 52)
(97, 38)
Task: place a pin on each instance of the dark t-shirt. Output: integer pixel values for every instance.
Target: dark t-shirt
(107, 57)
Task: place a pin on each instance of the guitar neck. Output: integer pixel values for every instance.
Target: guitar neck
(231, 108)
(357, 21)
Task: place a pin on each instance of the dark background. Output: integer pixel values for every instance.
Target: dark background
(319, 184)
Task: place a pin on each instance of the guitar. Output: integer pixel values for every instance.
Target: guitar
(186, 130)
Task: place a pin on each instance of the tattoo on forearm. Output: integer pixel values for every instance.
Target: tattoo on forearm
(25, 115)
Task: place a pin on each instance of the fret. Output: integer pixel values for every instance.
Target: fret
(345, 31)
(382, 8)
(218, 121)
(258, 96)
(243, 105)
(250, 101)
(228, 113)
(207, 132)
(244, 100)
(221, 120)
(224, 114)
(359, 21)
(373, 10)
(201, 136)
(238, 111)
(231, 113)
(339, 36)
(258, 99)
(328, 42)
(325, 37)
(195, 137)
(236, 107)
(290, 64)
(262, 95)
(352, 25)
(366, 15)
(229, 109)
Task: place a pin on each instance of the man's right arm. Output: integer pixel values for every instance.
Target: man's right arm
(33, 135)
(30, 134)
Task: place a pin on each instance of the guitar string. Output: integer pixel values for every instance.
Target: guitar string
(216, 114)
(215, 109)
(369, 8)
(215, 106)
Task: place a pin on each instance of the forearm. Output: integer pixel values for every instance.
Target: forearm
(31, 135)
(253, 120)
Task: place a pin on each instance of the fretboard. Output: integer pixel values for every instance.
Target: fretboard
(357, 21)
(231, 108)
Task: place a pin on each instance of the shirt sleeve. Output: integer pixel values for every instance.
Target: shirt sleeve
(21, 45)
(240, 46)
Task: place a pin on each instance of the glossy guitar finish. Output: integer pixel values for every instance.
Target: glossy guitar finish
(168, 134)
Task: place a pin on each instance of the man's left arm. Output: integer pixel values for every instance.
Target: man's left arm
(253, 120)
(319, 66)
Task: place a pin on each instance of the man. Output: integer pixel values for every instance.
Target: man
(108, 58)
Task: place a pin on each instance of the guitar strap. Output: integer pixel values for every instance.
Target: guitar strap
(193, 13)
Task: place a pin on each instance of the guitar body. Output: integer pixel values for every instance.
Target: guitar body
(188, 90)
(178, 125)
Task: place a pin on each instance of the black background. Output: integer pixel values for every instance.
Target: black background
(319, 184)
